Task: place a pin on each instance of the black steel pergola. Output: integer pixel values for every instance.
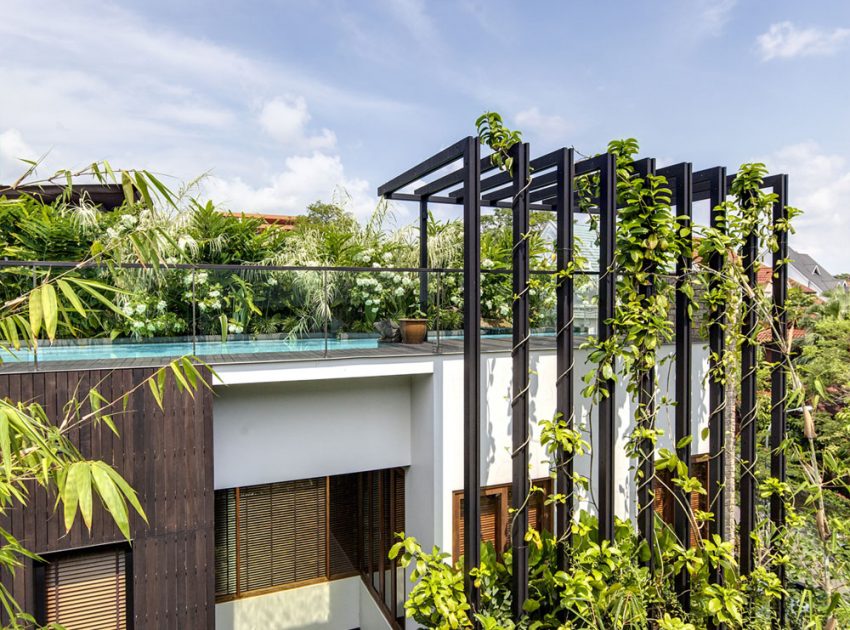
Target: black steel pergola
(548, 183)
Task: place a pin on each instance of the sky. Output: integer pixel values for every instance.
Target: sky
(282, 103)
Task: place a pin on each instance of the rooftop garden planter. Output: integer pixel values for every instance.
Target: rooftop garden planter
(413, 330)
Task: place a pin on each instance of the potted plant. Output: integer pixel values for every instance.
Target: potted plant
(414, 327)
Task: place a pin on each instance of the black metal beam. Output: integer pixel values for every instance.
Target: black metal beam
(606, 165)
(550, 193)
(716, 183)
(680, 176)
(564, 341)
(747, 490)
(426, 167)
(471, 367)
(520, 369)
(453, 178)
(778, 376)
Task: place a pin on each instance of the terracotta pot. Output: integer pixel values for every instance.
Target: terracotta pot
(413, 330)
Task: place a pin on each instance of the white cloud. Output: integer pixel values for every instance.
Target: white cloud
(304, 179)
(13, 149)
(713, 15)
(819, 184)
(98, 81)
(286, 121)
(551, 127)
(786, 40)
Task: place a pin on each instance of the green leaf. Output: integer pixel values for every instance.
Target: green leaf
(72, 298)
(68, 494)
(685, 441)
(35, 311)
(111, 497)
(127, 491)
(6, 443)
(50, 309)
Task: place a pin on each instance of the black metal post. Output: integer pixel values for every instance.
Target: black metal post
(471, 366)
(521, 225)
(684, 364)
(423, 254)
(716, 179)
(749, 260)
(607, 288)
(564, 342)
(778, 378)
(34, 337)
(646, 417)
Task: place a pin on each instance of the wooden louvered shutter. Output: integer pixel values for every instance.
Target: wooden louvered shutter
(699, 469)
(282, 531)
(398, 504)
(87, 591)
(225, 542)
(491, 521)
(342, 518)
(540, 514)
(663, 496)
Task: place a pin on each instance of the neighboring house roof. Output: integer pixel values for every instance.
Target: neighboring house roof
(765, 334)
(108, 196)
(818, 277)
(765, 277)
(281, 221)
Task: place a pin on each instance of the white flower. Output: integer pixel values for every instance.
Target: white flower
(231, 328)
(399, 291)
(214, 293)
(272, 281)
(202, 307)
(111, 232)
(127, 309)
(387, 257)
(160, 306)
(141, 308)
(202, 277)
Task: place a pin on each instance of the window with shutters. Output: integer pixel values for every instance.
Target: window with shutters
(85, 590)
(495, 517)
(664, 502)
(280, 535)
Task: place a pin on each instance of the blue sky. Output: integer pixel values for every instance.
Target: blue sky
(285, 102)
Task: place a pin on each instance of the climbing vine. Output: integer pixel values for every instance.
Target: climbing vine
(608, 584)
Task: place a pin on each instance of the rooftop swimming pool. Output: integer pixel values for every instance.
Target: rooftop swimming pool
(142, 350)
(170, 349)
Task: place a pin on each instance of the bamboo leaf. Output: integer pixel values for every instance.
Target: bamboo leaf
(35, 311)
(50, 310)
(68, 493)
(71, 296)
(6, 443)
(111, 496)
(127, 491)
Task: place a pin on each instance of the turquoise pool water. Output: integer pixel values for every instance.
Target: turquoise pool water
(176, 349)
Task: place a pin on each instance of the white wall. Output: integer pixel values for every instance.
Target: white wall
(270, 432)
(333, 605)
(496, 429)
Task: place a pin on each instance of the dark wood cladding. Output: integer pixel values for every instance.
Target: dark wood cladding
(167, 457)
